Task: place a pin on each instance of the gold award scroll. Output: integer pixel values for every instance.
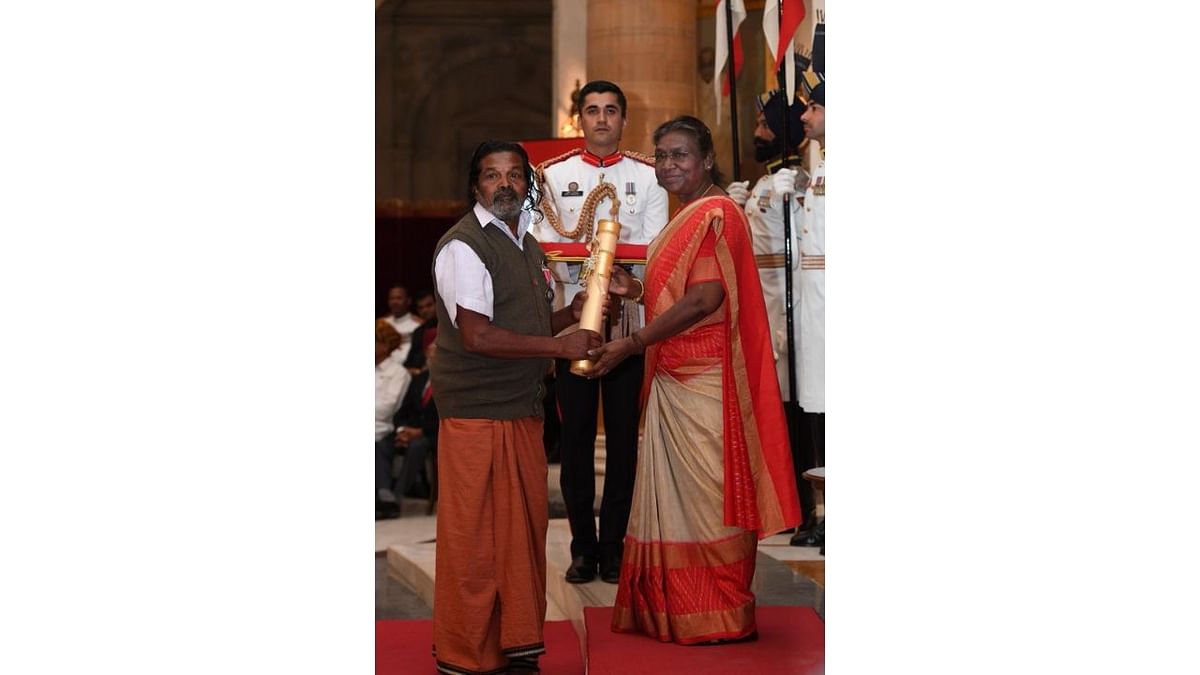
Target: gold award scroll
(592, 316)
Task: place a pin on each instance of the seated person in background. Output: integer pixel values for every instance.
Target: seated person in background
(399, 317)
(427, 313)
(391, 383)
(417, 422)
(426, 307)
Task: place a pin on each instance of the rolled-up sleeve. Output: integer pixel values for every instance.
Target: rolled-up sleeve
(463, 281)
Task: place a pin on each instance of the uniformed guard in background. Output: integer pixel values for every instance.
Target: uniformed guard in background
(764, 205)
(810, 288)
(764, 210)
(571, 202)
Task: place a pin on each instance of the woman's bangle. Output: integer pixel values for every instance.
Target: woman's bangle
(641, 289)
(637, 340)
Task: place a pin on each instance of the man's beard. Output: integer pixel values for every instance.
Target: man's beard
(765, 151)
(506, 204)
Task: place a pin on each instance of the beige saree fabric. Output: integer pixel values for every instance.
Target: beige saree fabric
(685, 577)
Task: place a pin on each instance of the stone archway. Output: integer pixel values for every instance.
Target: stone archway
(447, 78)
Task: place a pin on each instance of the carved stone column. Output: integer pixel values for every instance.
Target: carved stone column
(649, 50)
(570, 60)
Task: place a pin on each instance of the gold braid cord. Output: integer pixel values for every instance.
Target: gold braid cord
(639, 156)
(587, 213)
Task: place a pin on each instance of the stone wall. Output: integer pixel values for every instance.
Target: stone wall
(449, 74)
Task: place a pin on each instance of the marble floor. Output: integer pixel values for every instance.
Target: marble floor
(404, 567)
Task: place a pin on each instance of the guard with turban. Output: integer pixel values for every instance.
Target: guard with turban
(786, 182)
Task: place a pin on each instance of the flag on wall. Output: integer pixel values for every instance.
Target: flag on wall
(780, 36)
(720, 44)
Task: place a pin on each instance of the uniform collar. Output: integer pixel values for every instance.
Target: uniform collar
(777, 163)
(602, 162)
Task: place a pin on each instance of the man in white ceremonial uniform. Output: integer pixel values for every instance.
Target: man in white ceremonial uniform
(811, 280)
(764, 211)
(572, 203)
(809, 288)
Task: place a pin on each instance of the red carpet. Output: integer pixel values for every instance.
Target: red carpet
(404, 647)
(790, 640)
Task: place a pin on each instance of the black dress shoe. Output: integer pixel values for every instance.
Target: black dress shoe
(386, 510)
(581, 571)
(610, 569)
(810, 537)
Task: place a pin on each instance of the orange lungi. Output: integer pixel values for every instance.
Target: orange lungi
(489, 599)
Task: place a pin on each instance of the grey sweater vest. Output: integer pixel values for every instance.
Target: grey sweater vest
(477, 386)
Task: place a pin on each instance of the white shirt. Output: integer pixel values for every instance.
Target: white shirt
(391, 383)
(462, 278)
(405, 326)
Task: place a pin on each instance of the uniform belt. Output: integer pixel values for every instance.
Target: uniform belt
(775, 260)
(768, 261)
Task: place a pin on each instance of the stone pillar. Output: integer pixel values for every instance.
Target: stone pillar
(649, 50)
(570, 61)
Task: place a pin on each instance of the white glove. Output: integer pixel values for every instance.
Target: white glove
(783, 183)
(739, 191)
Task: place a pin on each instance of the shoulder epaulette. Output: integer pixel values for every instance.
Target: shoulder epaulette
(641, 157)
(555, 160)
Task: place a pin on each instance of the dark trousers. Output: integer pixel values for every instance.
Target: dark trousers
(808, 451)
(384, 452)
(551, 430)
(414, 463)
(577, 399)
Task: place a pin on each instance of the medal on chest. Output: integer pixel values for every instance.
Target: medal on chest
(549, 282)
(764, 201)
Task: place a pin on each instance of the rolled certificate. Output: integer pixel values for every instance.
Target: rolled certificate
(592, 316)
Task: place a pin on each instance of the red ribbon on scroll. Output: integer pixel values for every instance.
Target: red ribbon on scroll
(626, 254)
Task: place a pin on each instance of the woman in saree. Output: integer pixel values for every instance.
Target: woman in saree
(714, 470)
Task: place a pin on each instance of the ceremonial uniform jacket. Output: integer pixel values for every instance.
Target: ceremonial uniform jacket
(566, 182)
(810, 288)
(765, 215)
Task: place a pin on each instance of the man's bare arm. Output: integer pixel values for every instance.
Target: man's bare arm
(481, 337)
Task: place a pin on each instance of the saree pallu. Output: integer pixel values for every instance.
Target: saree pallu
(714, 472)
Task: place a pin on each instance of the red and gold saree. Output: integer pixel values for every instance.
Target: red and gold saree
(714, 470)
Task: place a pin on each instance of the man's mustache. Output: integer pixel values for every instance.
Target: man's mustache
(507, 193)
